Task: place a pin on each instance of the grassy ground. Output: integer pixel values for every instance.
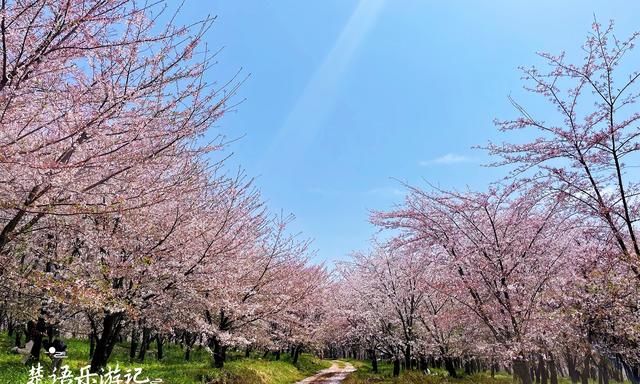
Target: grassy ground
(172, 369)
(385, 376)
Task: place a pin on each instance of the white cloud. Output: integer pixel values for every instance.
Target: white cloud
(449, 158)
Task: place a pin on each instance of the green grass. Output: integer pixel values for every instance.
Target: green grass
(364, 375)
(173, 369)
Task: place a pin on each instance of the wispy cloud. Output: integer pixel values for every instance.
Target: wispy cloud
(386, 192)
(449, 158)
(325, 192)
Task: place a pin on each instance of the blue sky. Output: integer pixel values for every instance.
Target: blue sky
(347, 99)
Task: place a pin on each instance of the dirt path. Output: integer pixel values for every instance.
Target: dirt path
(331, 375)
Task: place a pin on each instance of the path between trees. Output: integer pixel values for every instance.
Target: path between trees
(332, 375)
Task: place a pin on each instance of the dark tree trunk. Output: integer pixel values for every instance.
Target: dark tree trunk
(603, 371)
(159, 345)
(553, 371)
(542, 369)
(18, 339)
(277, 354)
(296, 354)
(631, 371)
(38, 331)
(31, 329)
(189, 340)
(247, 351)
(396, 367)
(521, 371)
(144, 345)
(111, 324)
(51, 332)
(407, 357)
(584, 377)
(219, 352)
(374, 360)
(133, 348)
(434, 362)
(422, 363)
(10, 327)
(571, 366)
(92, 343)
(617, 371)
(450, 367)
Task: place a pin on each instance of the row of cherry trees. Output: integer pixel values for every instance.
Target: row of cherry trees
(117, 214)
(540, 272)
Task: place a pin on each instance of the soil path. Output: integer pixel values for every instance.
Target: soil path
(331, 375)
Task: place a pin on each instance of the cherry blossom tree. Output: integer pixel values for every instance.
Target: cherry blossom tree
(445, 325)
(102, 114)
(251, 284)
(367, 316)
(301, 324)
(501, 250)
(584, 149)
(587, 140)
(392, 304)
(90, 96)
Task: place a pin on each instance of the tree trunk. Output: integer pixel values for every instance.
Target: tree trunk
(111, 324)
(584, 377)
(133, 348)
(10, 326)
(38, 330)
(407, 357)
(396, 367)
(521, 371)
(493, 368)
(450, 367)
(571, 366)
(277, 354)
(467, 367)
(374, 360)
(296, 354)
(553, 371)
(628, 370)
(51, 332)
(603, 371)
(159, 344)
(247, 351)
(144, 345)
(219, 352)
(92, 343)
(18, 339)
(189, 340)
(422, 363)
(542, 369)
